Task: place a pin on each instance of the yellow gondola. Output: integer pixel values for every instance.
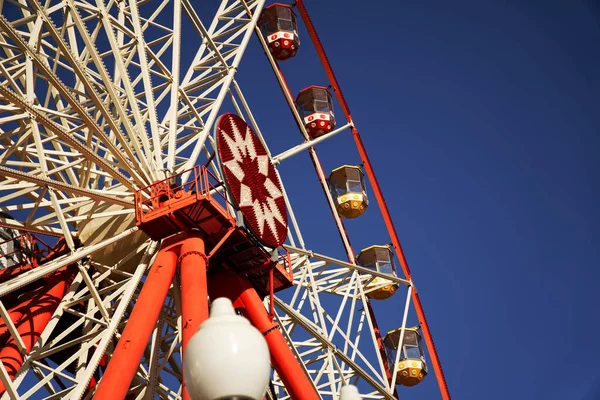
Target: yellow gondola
(412, 367)
(347, 184)
(380, 259)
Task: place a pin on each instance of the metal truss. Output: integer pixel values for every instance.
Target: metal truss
(326, 320)
(96, 103)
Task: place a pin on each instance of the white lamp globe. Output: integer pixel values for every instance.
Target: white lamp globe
(349, 392)
(227, 358)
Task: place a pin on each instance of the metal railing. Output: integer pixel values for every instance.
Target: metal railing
(25, 248)
(161, 194)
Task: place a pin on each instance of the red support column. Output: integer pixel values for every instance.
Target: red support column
(437, 366)
(194, 293)
(243, 295)
(130, 349)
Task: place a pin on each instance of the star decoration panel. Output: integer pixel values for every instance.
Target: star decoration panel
(252, 180)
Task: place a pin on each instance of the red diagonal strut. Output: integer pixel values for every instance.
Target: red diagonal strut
(243, 295)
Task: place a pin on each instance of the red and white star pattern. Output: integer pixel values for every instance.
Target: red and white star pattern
(252, 180)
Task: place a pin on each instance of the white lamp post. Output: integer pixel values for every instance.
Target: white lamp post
(227, 358)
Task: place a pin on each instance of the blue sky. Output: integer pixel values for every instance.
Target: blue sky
(481, 119)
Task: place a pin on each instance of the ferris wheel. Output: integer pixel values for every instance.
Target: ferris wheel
(136, 187)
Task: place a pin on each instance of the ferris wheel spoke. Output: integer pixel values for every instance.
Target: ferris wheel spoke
(60, 216)
(57, 211)
(131, 31)
(61, 367)
(85, 78)
(109, 28)
(104, 76)
(64, 187)
(22, 154)
(155, 349)
(132, 140)
(165, 81)
(148, 89)
(52, 78)
(207, 81)
(41, 230)
(65, 136)
(325, 262)
(328, 346)
(159, 362)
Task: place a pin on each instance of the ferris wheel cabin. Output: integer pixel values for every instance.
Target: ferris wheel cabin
(278, 26)
(347, 185)
(381, 259)
(315, 106)
(412, 367)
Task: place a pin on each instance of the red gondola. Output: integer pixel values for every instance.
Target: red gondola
(278, 26)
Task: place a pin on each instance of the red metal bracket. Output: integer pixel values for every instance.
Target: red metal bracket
(190, 253)
(271, 294)
(265, 332)
(220, 243)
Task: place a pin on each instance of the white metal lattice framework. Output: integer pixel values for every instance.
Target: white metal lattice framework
(94, 104)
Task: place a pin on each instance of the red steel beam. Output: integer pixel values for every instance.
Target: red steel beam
(32, 316)
(240, 291)
(381, 346)
(130, 349)
(194, 291)
(437, 366)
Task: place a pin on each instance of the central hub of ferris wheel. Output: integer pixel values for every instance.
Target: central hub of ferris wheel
(169, 207)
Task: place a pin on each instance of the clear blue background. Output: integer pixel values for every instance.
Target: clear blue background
(482, 121)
